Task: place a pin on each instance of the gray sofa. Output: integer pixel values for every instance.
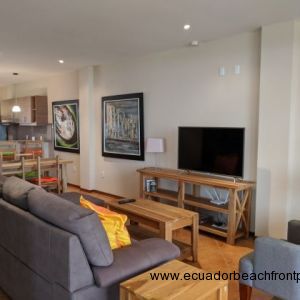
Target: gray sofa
(51, 248)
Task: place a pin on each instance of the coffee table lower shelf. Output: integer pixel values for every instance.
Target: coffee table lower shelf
(140, 233)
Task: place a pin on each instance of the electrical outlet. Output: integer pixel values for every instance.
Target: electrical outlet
(74, 168)
(101, 174)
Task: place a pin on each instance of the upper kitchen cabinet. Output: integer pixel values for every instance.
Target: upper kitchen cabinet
(6, 110)
(39, 106)
(25, 115)
(34, 110)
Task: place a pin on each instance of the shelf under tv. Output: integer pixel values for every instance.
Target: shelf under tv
(189, 200)
(237, 209)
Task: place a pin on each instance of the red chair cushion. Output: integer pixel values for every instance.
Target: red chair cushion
(45, 179)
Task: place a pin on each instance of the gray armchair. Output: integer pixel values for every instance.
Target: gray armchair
(273, 258)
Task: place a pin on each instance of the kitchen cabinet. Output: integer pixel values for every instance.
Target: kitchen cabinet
(6, 107)
(34, 110)
(25, 115)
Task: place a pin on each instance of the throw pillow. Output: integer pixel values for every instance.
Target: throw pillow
(113, 223)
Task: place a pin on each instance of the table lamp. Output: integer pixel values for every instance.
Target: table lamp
(155, 145)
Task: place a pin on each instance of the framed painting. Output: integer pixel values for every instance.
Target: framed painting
(66, 125)
(123, 126)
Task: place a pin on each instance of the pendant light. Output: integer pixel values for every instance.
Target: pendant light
(16, 108)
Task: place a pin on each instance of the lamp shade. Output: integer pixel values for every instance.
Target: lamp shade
(155, 145)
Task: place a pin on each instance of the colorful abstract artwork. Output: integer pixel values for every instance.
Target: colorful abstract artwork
(66, 125)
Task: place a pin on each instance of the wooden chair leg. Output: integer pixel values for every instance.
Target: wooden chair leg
(23, 168)
(39, 171)
(58, 175)
(245, 292)
(1, 161)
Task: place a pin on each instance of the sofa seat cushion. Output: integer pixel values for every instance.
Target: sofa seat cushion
(135, 259)
(15, 191)
(75, 219)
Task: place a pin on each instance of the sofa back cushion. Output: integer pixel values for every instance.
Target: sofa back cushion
(15, 191)
(75, 219)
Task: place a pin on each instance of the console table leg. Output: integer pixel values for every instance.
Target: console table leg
(181, 194)
(142, 185)
(195, 233)
(248, 212)
(231, 217)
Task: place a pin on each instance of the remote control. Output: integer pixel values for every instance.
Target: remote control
(124, 201)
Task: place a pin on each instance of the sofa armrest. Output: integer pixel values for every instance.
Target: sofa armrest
(70, 267)
(276, 256)
(135, 259)
(294, 232)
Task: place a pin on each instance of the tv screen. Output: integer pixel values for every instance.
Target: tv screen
(211, 150)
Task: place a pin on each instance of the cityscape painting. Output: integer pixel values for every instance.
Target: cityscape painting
(123, 126)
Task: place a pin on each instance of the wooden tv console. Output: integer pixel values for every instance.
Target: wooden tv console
(237, 209)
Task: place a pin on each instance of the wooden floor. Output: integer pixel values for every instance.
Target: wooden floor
(214, 254)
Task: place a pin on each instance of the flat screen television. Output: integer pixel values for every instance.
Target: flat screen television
(211, 150)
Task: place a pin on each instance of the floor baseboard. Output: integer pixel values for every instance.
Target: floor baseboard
(94, 191)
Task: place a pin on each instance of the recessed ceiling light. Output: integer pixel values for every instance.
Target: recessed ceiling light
(187, 27)
(61, 61)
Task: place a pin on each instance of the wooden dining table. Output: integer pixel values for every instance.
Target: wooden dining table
(13, 168)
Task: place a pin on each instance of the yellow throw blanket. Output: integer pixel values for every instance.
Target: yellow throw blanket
(113, 223)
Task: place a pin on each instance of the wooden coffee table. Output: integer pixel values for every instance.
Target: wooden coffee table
(164, 219)
(143, 287)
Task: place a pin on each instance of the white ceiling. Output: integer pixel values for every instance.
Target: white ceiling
(34, 34)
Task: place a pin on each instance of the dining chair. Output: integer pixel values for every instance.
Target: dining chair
(8, 151)
(48, 182)
(8, 154)
(25, 155)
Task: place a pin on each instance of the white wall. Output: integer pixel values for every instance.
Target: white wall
(183, 88)
(278, 138)
(63, 87)
(87, 128)
(294, 157)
